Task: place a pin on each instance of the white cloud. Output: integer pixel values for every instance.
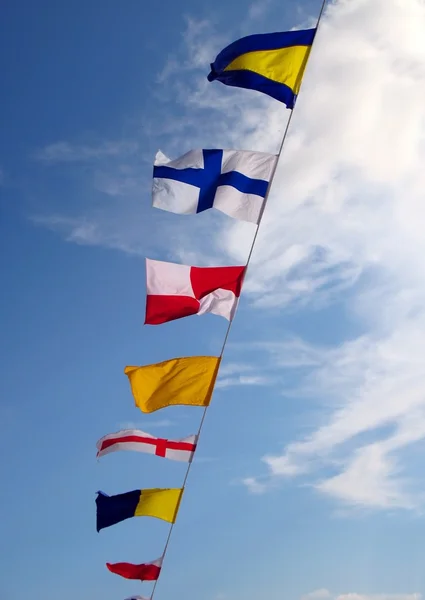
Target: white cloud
(124, 180)
(317, 594)
(200, 39)
(375, 383)
(259, 8)
(220, 596)
(348, 209)
(254, 486)
(94, 230)
(344, 223)
(240, 373)
(234, 368)
(225, 382)
(354, 596)
(289, 352)
(66, 152)
(151, 424)
(326, 594)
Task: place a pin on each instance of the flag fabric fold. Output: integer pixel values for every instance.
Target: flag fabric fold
(185, 381)
(175, 291)
(137, 597)
(271, 63)
(232, 181)
(140, 441)
(154, 502)
(144, 572)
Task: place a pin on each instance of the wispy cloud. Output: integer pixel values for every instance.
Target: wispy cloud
(226, 382)
(354, 596)
(220, 596)
(255, 486)
(148, 424)
(319, 594)
(241, 373)
(290, 352)
(350, 212)
(376, 384)
(90, 231)
(122, 180)
(235, 368)
(259, 8)
(200, 40)
(344, 224)
(111, 169)
(324, 594)
(67, 152)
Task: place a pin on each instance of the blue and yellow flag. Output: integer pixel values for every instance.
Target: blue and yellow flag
(154, 502)
(271, 63)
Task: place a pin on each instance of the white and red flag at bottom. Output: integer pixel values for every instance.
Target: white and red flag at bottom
(140, 441)
(144, 572)
(175, 291)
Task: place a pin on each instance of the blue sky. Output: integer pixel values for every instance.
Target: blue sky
(308, 478)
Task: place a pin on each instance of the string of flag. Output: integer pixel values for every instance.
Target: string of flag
(236, 183)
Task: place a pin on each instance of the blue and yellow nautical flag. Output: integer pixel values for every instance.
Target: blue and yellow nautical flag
(271, 63)
(155, 502)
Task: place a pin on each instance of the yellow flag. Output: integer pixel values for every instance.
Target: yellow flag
(160, 503)
(189, 381)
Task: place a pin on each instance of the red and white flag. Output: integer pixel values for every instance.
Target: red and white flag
(175, 291)
(140, 441)
(144, 572)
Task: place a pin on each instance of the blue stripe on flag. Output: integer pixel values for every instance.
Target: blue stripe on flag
(211, 172)
(189, 176)
(244, 184)
(249, 80)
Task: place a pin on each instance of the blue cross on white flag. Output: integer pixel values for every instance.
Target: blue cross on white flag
(235, 182)
(137, 598)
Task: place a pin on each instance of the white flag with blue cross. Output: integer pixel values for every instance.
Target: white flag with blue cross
(232, 181)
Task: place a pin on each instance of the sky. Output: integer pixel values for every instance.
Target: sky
(308, 478)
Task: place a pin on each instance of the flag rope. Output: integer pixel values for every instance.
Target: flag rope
(285, 134)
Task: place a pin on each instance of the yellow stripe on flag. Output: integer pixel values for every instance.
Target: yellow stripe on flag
(180, 381)
(283, 65)
(160, 503)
